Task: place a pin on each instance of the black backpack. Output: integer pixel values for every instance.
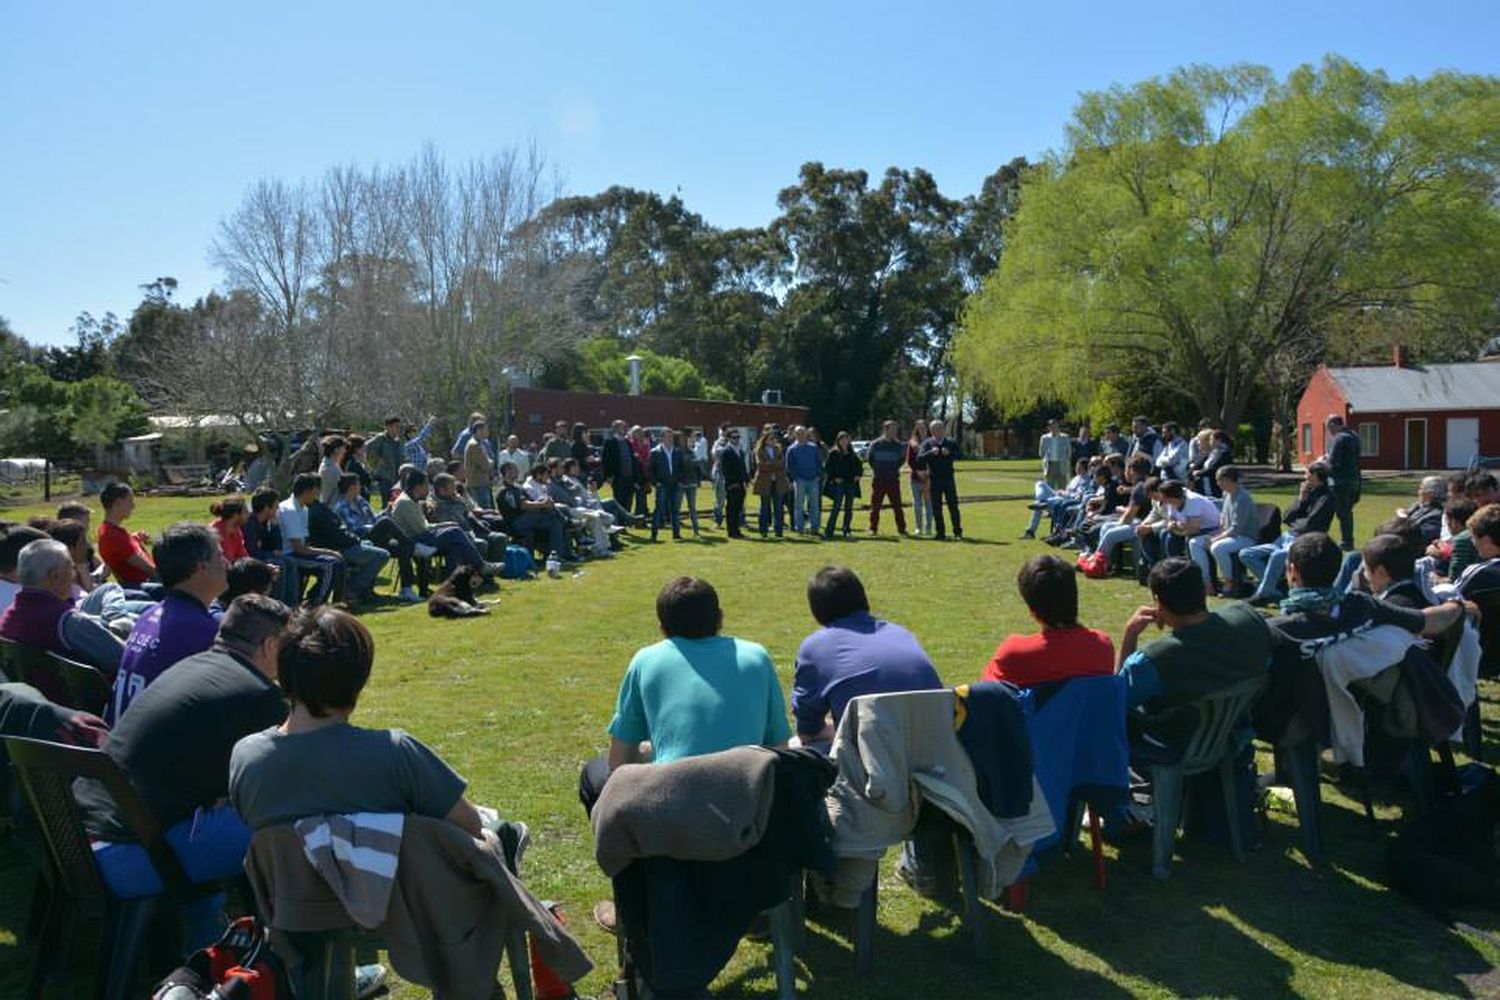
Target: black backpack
(1447, 858)
(239, 966)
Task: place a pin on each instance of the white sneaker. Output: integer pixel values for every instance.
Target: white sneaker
(368, 979)
(409, 596)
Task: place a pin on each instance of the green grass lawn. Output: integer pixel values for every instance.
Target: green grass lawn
(517, 701)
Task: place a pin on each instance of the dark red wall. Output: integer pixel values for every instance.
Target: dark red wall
(536, 410)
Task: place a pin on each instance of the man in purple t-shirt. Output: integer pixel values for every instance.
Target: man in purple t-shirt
(854, 653)
(191, 566)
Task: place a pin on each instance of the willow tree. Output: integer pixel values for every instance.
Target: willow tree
(1218, 229)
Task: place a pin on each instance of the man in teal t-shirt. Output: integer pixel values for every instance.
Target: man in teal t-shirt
(696, 691)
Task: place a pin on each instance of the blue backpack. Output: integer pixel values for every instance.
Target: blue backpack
(518, 563)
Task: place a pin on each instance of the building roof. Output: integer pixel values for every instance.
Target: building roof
(1386, 388)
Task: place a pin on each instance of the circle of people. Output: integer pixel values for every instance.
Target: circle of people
(230, 713)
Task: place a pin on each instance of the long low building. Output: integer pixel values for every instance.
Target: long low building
(1407, 416)
(535, 412)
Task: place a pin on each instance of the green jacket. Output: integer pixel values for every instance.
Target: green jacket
(385, 456)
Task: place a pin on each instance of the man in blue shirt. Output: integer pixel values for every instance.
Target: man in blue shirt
(804, 466)
(852, 654)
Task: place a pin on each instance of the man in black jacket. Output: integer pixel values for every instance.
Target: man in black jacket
(734, 469)
(362, 560)
(936, 456)
(1343, 464)
(618, 465)
(669, 464)
(1313, 511)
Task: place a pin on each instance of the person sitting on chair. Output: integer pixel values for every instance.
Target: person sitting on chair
(174, 745)
(43, 613)
(851, 654)
(694, 692)
(192, 568)
(1204, 653)
(1063, 648)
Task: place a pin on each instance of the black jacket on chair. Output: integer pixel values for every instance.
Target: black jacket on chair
(682, 920)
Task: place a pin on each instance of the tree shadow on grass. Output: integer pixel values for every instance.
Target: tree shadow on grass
(1344, 915)
(934, 959)
(1193, 933)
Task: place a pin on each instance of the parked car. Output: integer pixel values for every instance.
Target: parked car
(862, 449)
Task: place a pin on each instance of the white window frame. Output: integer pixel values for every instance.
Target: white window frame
(1304, 437)
(1372, 429)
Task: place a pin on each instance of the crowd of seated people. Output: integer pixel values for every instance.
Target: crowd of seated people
(204, 595)
(212, 663)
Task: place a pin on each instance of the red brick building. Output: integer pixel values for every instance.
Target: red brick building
(1407, 416)
(535, 411)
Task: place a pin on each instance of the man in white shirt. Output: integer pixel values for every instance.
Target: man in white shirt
(1056, 450)
(514, 453)
(1191, 517)
(1172, 460)
(291, 516)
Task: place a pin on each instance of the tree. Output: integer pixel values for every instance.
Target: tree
(875, 282)
(1219, 230)
(59, 421)
(599, 365)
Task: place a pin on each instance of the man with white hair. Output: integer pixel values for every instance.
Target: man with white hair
(1427, 515)
(43, 613)
(936, 456)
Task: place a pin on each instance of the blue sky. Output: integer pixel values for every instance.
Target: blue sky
(128, 130)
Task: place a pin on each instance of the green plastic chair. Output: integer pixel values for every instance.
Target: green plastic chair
(1211, 746)
(88, 689)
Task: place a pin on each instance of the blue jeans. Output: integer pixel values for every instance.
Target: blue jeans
(1347, 571)
(668, 508)
(535, 523)
(1268, 563)
(211, 844)
(328, 569)
(363, 563)
(455, 544)
(807, 504)
(484, 496)
(690, 500)
(1112, 537)
(770, 511)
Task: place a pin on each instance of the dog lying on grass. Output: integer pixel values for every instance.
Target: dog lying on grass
(454, 597)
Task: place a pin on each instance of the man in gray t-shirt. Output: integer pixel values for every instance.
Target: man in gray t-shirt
(277, 777)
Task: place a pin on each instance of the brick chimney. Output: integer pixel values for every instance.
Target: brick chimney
(1401, 356)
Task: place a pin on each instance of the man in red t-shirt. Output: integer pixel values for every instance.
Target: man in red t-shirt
(1063, 648)
(122, 552)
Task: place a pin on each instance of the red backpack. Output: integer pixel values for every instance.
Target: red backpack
(1094, 565)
